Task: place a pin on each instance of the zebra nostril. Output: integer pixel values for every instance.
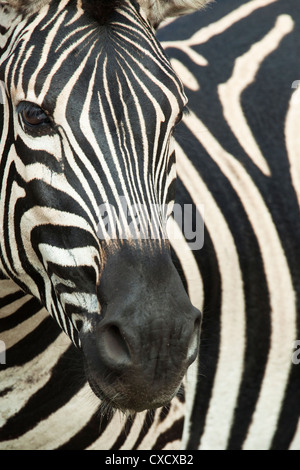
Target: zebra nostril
(114, 346)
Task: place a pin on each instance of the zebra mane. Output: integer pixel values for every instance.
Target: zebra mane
(101, 10)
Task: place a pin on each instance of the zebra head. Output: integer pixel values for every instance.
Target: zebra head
(89, 104)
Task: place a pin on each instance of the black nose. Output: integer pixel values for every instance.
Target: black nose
(113, 347)
(123, 345)
(140, 365)
(146, 336)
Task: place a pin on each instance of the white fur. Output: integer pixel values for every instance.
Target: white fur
(158, 10)
(26, 6)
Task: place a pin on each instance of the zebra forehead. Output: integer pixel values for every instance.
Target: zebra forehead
(110, 52)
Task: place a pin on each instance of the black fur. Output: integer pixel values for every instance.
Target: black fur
(101, 10)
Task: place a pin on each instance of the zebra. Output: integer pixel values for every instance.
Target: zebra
(238, 154)
(243, 390)
(89, 106)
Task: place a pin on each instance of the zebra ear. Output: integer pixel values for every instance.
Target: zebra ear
(25, 6)
(158, 10)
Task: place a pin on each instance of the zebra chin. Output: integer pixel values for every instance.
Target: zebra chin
(127, 399)
(131, 389)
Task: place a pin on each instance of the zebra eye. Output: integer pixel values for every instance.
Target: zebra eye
(32, 115)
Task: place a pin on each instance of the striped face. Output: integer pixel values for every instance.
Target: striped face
(87, 176)
(89, 116)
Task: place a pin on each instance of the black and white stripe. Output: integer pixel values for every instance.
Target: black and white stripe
(47, 62)
(152, 92)
(237, 155)
(50, 405)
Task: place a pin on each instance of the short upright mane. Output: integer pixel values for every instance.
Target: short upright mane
(101, 10)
